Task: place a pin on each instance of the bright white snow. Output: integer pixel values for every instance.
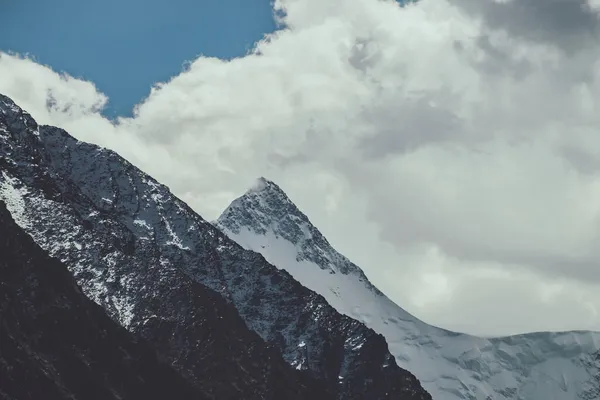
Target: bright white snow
(13, 197)
(449, 365)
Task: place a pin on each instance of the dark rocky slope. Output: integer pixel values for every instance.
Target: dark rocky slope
(163, 272)
(55, 343)
(190, 325)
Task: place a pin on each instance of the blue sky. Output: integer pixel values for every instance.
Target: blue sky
(124, 46)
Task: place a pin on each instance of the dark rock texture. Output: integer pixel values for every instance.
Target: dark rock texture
(55, 343)
(165, 273)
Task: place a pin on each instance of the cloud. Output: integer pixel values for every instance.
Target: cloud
(523, 299)
(448, 147)
(572, 25)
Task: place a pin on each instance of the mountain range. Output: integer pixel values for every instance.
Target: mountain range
(228, 321)
(450, 365)
(257, 305)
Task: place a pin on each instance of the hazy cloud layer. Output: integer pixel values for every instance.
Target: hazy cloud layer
(568, 24)
(449, 147)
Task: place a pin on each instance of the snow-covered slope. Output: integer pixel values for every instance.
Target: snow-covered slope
(208, 306)
(538, 366)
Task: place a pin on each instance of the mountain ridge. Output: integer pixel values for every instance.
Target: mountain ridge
(450, 365)
(146, 257)
(190, 325)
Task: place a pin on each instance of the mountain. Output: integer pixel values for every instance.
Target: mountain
(55, 343)
(209, 307)
(141, 286)
(450, 365)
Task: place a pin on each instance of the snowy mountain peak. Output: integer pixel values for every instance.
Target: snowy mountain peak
(453, 366)
(262, 184)
(262, 206)
(266, 210)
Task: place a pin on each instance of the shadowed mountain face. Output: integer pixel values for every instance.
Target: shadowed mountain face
(453, 366)
(145, 290)
(57, 344)
(210, 307)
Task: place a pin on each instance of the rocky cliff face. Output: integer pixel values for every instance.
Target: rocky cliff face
(163, 272)
(55, 343)
(539, 366)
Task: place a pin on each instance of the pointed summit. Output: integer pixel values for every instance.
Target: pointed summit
(266, 196)
(266, 210)
(263, 206)
(270, 192)
(263, 184)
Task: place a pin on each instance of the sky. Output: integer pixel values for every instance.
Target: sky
(449, 147)
(125, 46)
